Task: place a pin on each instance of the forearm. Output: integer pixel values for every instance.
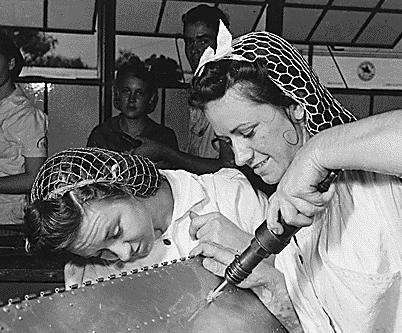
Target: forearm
(16, 184)
(370, 144)
(273, 293)
(22, 183)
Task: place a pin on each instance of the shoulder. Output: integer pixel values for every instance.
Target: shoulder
(107, 126)
(160, 127)
(24, 114)
(230, 174)
(228, 182)
(160, 133)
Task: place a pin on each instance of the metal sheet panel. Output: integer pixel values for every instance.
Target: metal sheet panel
(169, 298)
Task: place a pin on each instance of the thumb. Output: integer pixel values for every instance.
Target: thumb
(193, 228)
(214, 266)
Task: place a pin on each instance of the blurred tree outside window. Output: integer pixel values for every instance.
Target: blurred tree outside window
(165, 69)
(38, 49)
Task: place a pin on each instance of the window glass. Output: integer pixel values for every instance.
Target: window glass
(58, 55)
(73, 112)
(161, 52)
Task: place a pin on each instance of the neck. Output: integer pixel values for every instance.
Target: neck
(134, 126)
(161, 207)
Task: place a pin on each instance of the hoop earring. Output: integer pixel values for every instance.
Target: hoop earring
(299, 113)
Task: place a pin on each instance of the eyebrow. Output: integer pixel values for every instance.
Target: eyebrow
(241, 126)
(199, 36)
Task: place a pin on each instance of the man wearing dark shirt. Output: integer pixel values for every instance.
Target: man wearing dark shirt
(135, 96)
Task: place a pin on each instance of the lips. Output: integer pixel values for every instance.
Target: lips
(134, 252)
(260, 164)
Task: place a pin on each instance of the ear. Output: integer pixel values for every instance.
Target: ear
(153, 101)
(11, 64)
(296, 113)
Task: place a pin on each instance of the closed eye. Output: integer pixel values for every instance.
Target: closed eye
(116, 232)
(248, 134)
(106, 254)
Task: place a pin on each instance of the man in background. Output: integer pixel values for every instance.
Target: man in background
(200, 29)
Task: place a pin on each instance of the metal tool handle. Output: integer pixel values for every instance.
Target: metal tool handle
(266, 243)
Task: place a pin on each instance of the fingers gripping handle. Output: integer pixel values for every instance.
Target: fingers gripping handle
(267, 242)
(289, 230)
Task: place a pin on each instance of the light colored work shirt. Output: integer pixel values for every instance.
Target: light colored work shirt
(344, 273)
(227, 191)
(201, 134)
(23, 129)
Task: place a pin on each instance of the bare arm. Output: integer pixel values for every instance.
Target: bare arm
(21, 183)
(371, 144)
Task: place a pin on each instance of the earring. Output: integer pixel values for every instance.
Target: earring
(299, 113)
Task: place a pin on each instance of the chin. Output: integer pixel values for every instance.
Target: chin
(270, 179)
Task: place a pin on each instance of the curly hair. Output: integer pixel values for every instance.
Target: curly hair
(251, 77)
(52, 225)
(136, 68)
(207, 14)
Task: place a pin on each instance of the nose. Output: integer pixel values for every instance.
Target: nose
(122, 250)
(243, 153)
(132, 97)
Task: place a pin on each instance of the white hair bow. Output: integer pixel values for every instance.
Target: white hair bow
(223, 48)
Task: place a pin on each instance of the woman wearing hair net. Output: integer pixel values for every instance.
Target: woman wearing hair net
(342, 270)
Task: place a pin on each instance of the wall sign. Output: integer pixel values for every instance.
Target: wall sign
(366, 70)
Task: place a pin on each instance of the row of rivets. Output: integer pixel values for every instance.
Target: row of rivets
(45, 293)
(14, 300)
(30, 296)
(88, 283)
